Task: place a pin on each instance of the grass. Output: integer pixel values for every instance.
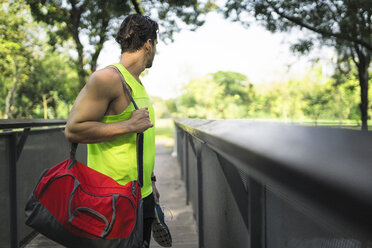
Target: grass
(347, 124)
(164, 129)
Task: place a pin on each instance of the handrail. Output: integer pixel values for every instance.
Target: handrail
(27, 123)
(14, 144)
(326, 171)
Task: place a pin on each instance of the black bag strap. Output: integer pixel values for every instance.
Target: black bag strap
(139, 135)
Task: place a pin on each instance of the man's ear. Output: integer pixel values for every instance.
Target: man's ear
(148, 44)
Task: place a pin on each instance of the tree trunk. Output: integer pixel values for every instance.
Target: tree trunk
(8, 101)
(363, 64)
(80, 65)
(340, 108)
(99, 45)
(80, 60)
(45, 106)
(74, 27)
(363, 81)
(93, 63)
(10, 97)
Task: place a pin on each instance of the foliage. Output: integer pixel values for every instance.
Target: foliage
(316, 100)
(36, 81)
(161, 109)
(99, 20)
(52, 83)
(229, 95)
(343, 24)
(218, 95)
(345, 83)
(15, 52)
(164, 132)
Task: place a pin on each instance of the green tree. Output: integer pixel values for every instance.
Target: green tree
(16, 42)
(202, 98)
(35, 81)
(228, 95)
(294, 100)
(161, 108)
(218, 95)
(345, 94)
(99, 19)
(52, 82)
(316, 99)
(279, 100)
(344, 24)
(171, 106)
(238, 94)
(271, 99)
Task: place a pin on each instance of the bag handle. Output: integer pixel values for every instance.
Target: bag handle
(76, 220)
(139, 142)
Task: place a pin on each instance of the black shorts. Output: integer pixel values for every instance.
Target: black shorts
(149, 206)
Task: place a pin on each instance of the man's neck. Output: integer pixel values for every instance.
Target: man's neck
(134, 63)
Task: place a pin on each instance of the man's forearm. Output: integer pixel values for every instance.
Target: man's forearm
(94, 131)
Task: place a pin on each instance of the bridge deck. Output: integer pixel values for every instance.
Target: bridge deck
(172, 190)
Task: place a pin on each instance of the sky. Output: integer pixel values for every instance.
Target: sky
(221, 45)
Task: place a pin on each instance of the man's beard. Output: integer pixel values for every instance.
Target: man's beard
(149, 63)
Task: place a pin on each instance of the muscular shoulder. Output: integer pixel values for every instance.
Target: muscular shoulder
(104, 82)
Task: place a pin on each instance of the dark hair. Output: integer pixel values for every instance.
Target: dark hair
(134, 31)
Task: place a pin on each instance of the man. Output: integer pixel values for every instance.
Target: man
(104, 117)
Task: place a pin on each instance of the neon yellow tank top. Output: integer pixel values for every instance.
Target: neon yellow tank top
(116, 158)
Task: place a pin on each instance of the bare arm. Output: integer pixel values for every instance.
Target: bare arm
(83, 124)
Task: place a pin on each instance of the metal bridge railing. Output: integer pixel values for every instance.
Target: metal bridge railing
(254, 184)
(27, 148)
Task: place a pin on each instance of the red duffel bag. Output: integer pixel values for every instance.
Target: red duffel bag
(77, 206)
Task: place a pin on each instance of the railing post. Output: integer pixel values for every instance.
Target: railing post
(180, 154)
(12, 168)
(200, 195)
(256, 212)
(14, 143)
(235, 182)
(175, 137)
(185, 167)
(14, 150)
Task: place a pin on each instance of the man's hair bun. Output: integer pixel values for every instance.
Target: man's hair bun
(134, 31)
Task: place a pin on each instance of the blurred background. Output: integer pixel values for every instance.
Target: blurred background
(280, 60)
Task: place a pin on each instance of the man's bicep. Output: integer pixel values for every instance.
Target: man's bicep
(88, 108)
(92, 102)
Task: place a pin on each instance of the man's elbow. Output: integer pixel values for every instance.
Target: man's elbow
(70, 136)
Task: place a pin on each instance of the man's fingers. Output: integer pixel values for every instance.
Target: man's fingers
(145, 110)
(142, 112)
(141, 120)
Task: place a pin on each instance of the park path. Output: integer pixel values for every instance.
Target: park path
(172, 191)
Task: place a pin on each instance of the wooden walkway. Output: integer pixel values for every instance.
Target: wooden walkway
(172, 191)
